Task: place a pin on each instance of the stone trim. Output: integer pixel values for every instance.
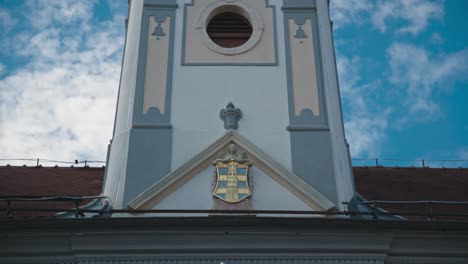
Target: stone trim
(283, 176)
(235, 6)
(275, 39)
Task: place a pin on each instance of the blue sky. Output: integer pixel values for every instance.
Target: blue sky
(403, 71)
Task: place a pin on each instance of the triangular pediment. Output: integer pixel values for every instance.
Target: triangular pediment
(202, 163)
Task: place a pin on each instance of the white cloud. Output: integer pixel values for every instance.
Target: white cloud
(61, 104)
(436, 38)
(349, 11)
(410, 16)
(60, 13)
(366, 135)
(418, 75)
(365, 120)
(2, 69)
(415, 14)
(453, 158)
(6, 20)
(462, 155)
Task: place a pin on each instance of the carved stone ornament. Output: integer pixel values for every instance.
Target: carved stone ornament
(230, 116)
(300, 34)
(232, 176)
(158, 30)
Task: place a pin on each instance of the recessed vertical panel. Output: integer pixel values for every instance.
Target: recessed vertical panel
(154, 76)
(303, 70)
(307, 108)
(156, 64)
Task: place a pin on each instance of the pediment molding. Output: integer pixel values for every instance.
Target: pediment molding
(154, 194)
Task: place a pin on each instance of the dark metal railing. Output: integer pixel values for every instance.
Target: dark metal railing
(369, 162)
(107, 210)
(420, 163)
(429, 205)
(39, 162)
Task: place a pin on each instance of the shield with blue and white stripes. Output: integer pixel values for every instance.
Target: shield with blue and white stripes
(232, 181)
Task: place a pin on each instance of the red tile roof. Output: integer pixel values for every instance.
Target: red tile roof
(414, 184)
(49, 181)
(386, 183)
(373, 183)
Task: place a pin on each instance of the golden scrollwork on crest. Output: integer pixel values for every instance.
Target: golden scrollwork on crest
(232, 177)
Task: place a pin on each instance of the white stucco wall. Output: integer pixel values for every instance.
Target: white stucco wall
(342, 165)
(129, 69)
(267, 194)
(200, 92)
(117, 164)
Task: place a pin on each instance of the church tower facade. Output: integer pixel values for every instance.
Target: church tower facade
(229, 104)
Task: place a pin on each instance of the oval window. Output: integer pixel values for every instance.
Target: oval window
(229, 30)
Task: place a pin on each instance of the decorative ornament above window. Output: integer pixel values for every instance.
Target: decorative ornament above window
(231, 116)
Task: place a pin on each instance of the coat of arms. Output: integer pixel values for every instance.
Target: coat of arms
(232, 177)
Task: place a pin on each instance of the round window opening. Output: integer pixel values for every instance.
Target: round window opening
(229, 30)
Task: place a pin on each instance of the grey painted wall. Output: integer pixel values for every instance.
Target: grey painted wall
(150, 144)
(311, 149)
(312, 160)
(341, 158)
(148, 161)
(140, 152)
(116, 164)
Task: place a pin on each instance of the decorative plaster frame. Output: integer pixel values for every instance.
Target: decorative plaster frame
(184, 46)
(236, 6)
(154, 117)
(301, 14)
